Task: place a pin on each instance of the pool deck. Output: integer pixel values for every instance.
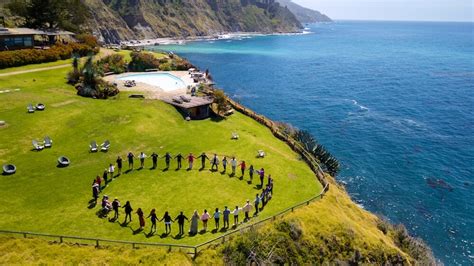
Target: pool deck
(154, 92)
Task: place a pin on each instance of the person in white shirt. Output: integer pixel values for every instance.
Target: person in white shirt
(247, 208)
(233, 163)
(111, 170)
(236, 215)
(142, 159)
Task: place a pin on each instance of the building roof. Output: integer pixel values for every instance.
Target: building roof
(27, 31)
(194, 102)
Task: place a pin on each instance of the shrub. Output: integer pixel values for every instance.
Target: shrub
(113, 63)
(142, 61)
(35, 56)
(90, 84)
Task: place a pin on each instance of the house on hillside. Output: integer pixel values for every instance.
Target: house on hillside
(193, 107)
(25, 38)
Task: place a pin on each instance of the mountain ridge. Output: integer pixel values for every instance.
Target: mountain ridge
(303, 14)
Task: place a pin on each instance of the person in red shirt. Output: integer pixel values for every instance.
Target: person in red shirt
(191, 161)
(242, 167)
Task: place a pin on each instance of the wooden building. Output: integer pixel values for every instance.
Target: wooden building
(193, 107)
(25, 38)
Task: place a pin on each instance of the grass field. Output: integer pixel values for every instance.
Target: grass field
(43, 198)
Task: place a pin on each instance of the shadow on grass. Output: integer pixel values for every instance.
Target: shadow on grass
(166, 169)
(223, 230)
(137, 231)
(92, 204)
(178, 236)
(128, 171)
(217, 119)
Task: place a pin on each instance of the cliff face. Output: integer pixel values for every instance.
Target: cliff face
(116, 20)
(303, 14)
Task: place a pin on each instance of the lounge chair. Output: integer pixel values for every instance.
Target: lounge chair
(177, 100)
(30, 108)
(235, 136)
(63, 161)
(185, 98)
(9, 169)
(37, 146)
(40, 107)
(261, 154)
(105, 146)
(48, 142)
(93, 146)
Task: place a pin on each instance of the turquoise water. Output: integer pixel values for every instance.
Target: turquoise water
(394, 101)
(165, 81)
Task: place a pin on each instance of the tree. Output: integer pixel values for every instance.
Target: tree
(50, 14)
(221, 100)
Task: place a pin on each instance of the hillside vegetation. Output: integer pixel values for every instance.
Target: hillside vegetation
(137, 19)
(303, 14)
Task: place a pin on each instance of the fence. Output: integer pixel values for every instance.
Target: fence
(194, 250)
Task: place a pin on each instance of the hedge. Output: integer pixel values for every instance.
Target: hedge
(36, 56)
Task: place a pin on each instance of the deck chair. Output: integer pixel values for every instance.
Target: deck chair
(93, 146)
(105, 146)
(48, 142)
(37, 146)
(235, 135)
(185, 98)
(30, 108)
(261, 154)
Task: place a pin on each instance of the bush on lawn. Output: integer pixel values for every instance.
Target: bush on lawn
(36, 56)
(91, 84)
(113, 63)
(142, 61)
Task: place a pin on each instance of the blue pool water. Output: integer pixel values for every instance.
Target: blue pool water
(394, 101)
(165, 81)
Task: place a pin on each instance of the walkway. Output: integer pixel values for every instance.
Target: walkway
(33, 70)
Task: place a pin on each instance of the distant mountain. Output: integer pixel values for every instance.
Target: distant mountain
(116, 20)
(303, 14)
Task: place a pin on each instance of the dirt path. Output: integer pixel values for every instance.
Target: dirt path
(33, 70)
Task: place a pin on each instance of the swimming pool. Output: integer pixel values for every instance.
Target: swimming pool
(165, 81)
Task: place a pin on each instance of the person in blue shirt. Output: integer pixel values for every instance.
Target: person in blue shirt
(153, 219)
(217, 216)
(226, 214)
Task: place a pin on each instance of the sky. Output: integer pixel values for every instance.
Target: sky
(411, 10)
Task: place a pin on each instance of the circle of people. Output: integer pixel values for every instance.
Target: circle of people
(261, 199)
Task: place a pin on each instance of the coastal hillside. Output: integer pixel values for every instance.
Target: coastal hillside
(116, 20)
(303, 14)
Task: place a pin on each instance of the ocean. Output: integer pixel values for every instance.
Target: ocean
(393, 101)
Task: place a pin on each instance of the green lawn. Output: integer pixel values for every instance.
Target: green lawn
(43, 198)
